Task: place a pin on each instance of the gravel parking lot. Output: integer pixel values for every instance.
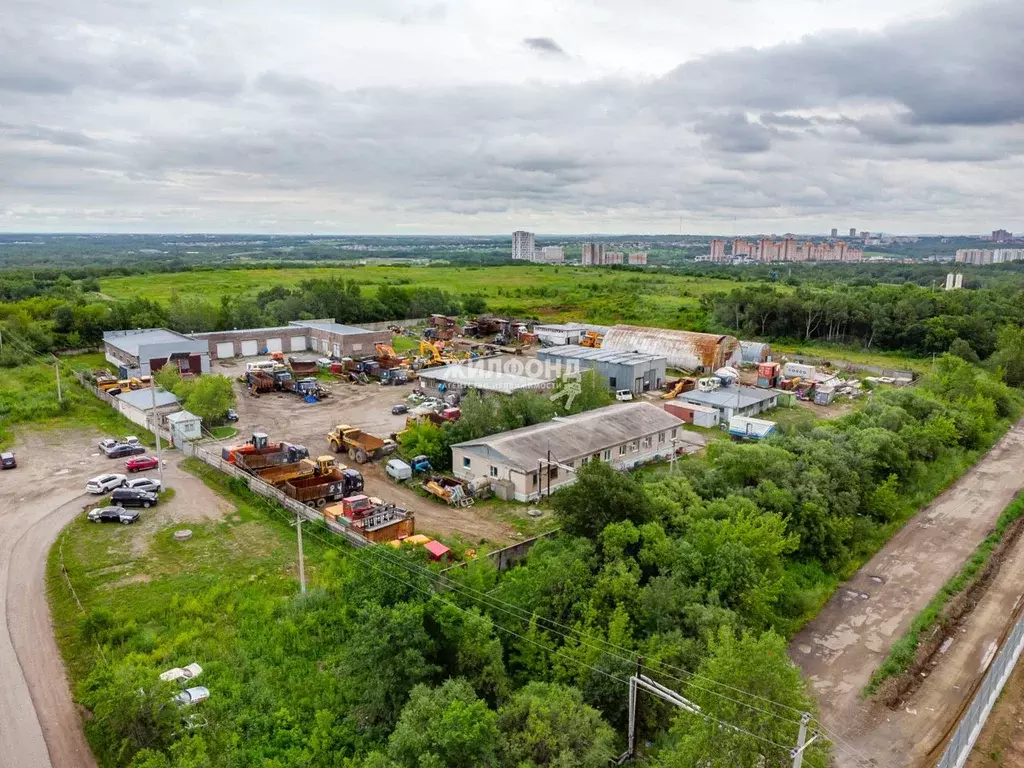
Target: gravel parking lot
(284, 416)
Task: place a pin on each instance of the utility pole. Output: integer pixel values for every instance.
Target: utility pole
(156, 429)
(60, 395)
(302, 567)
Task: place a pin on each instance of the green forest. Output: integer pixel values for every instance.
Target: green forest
(698, 576)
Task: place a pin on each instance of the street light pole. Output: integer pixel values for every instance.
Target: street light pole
(156, 429)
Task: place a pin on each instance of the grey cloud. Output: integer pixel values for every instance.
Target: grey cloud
(544, 45)
(734, 132)
(963, 69)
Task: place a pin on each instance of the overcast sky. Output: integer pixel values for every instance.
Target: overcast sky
(484, 116)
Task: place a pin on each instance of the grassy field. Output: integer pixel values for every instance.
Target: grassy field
(848, 354)
(600, 295)
(28, 395)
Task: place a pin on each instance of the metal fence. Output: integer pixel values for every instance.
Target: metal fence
(973, 720)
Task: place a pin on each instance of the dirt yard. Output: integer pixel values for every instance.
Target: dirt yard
(39, 725)
(289, 418)
(851, 636)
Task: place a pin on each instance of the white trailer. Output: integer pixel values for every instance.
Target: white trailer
(751, 429)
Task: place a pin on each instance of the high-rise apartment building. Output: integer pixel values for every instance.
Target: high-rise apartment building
(593, 254)
(835, 232)
(741, 248)
(524, 245)
(718, 250)
(551, 254)
(1001, 235)
(638, 259)
(853, 231)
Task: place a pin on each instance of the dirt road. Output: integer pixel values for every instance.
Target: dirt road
(39, 724)
(287, 417)
(851, 636)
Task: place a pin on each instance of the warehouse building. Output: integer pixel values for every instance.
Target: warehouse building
(755, 351)
(459, 378)
(136, 405)
(557, 335)
(325, 337)
(683, 350)
(144, 351)
(624, 435)
(733, 401)
(635, 371)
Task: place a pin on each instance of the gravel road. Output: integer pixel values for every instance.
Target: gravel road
(851, 636)
(39, 726)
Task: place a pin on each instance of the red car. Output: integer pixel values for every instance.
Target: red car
(141, 463)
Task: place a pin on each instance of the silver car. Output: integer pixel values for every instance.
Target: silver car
(150, 484)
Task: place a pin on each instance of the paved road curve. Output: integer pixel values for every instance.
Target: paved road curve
(852, 635)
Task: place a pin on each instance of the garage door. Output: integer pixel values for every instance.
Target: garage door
(249, 348)
(274, 345)
(225, 349)
(298, 343)
(324, 346)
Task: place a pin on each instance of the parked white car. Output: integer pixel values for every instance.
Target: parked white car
(131, 440)
(107, 443)
(150, 484)
(105, 483)
(623, 395)
(182, 674)
(191, 696)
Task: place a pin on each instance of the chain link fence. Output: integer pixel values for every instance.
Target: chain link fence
(973, 720)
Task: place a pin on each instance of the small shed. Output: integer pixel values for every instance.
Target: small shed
(691, 413)
(137, 405)
(751, 429)
(437, 551)
(184, 427)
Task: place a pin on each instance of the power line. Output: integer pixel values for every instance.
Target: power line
(493, 603)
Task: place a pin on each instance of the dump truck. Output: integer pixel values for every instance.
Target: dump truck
(258, 445)
(259, 381)
(283, 473)
(360, 446)
(276, 455)
(329, 482)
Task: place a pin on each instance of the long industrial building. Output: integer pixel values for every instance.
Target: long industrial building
(624, 435)
(684, 350)
(324, 337)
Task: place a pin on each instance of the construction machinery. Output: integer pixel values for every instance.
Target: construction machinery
(329, 481)
(258, 445)
(677, 388)
(259, 381)
(448, 489)
(286, 472)
(360, 446)
(274, 455)
(592, 339)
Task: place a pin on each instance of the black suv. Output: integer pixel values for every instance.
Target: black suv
(7, 460)
(129, 497)
(125, 450)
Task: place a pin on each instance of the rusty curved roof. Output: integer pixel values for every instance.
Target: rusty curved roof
(683, 349)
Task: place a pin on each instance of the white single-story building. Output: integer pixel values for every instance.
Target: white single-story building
(734, 401)
(184, 427)
(137, 405)
(624, 435)
(554, 335)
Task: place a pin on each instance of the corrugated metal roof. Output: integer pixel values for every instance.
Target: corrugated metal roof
(576, 352)
(584, 434)
(682, 349)
(324, 325)
(143, 398)
(732, 397)
(130, 341)
(482, 378)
